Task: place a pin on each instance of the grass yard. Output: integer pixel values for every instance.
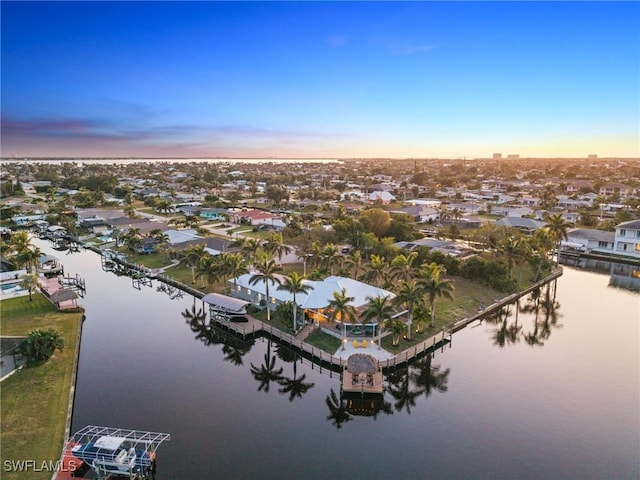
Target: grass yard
(35, 400)
(324, 341)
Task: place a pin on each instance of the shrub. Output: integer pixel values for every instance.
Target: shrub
(39, 346)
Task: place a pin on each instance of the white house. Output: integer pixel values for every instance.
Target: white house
(313, 302)
(384, 197)
(590, 239)
(627, 239)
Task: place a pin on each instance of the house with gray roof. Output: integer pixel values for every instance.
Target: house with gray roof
(525, 225)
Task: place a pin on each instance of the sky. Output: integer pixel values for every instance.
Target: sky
(320, 79)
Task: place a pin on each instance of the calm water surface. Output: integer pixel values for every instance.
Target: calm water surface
(507, 400)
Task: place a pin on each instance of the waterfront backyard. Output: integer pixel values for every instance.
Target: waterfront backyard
(35, 401)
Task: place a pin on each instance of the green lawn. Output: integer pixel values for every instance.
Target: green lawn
(35, 400)
(324, 341)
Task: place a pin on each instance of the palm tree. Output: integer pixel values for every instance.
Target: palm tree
(30, 283)
(209, 270)
(402, 267)
(276, 246)
(376, 270)
(434, 287)
(409, 294)
(20, 242)
(557, 228)
(193, 255)
(542, 243)
(511, 248)
(251, 247)
(294, 284)
(378, 308)
(236, 267)
(330, 257)
(396, 326)
(340, 309)
(432, 270)
(354, 260)
(266, 272)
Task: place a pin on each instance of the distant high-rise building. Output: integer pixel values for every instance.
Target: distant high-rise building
(497, 156)
(513, 156)
(593, 156)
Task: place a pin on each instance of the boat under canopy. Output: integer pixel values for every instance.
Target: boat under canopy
(226, 304)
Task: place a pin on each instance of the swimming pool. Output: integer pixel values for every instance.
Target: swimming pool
(11, 287)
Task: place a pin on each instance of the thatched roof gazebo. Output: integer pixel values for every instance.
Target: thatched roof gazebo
(64, 298)
(362, 374)
(361, 363)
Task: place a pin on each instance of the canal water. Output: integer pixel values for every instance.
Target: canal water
(511, 397)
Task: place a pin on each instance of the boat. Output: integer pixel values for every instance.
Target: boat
(113, 454)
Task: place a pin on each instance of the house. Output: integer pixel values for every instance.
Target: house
(445, 246)
(419, 213)
(589, 239)
(382, 196)
(251, 216)
(512, 211)
(627, 239)
(215, 214)
(315, 301)
(525, 225)
(623, 191)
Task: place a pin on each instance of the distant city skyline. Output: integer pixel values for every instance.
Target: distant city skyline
(320, 79)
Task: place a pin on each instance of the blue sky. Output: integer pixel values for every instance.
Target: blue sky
(326, 79)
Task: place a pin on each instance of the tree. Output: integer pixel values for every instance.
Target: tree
(236, 267)
(266, 272)
(557, 228)
(354, 260)
(30, 283)
(193, 255)
(340, 309)
(397, 327)
(276, 246)
(40, 345)
(434, 288)
(294, 284)
(409, 294)
(376, 270)
(402, 266)
(376, 221)
(380, 309)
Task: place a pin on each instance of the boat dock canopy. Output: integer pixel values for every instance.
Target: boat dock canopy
(225, 303)
(109, 437)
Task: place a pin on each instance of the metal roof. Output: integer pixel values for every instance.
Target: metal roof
(229, 304)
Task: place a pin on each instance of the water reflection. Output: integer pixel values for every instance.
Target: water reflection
(540, 305)
(267, 373)
(338, 413)
(208, 333)
(296, 386)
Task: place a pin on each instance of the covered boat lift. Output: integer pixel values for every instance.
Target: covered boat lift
(71, 465)
(223, 307)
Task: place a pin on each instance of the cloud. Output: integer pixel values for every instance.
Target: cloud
(94, 137)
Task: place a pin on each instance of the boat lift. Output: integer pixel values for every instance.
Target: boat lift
(148, 442)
